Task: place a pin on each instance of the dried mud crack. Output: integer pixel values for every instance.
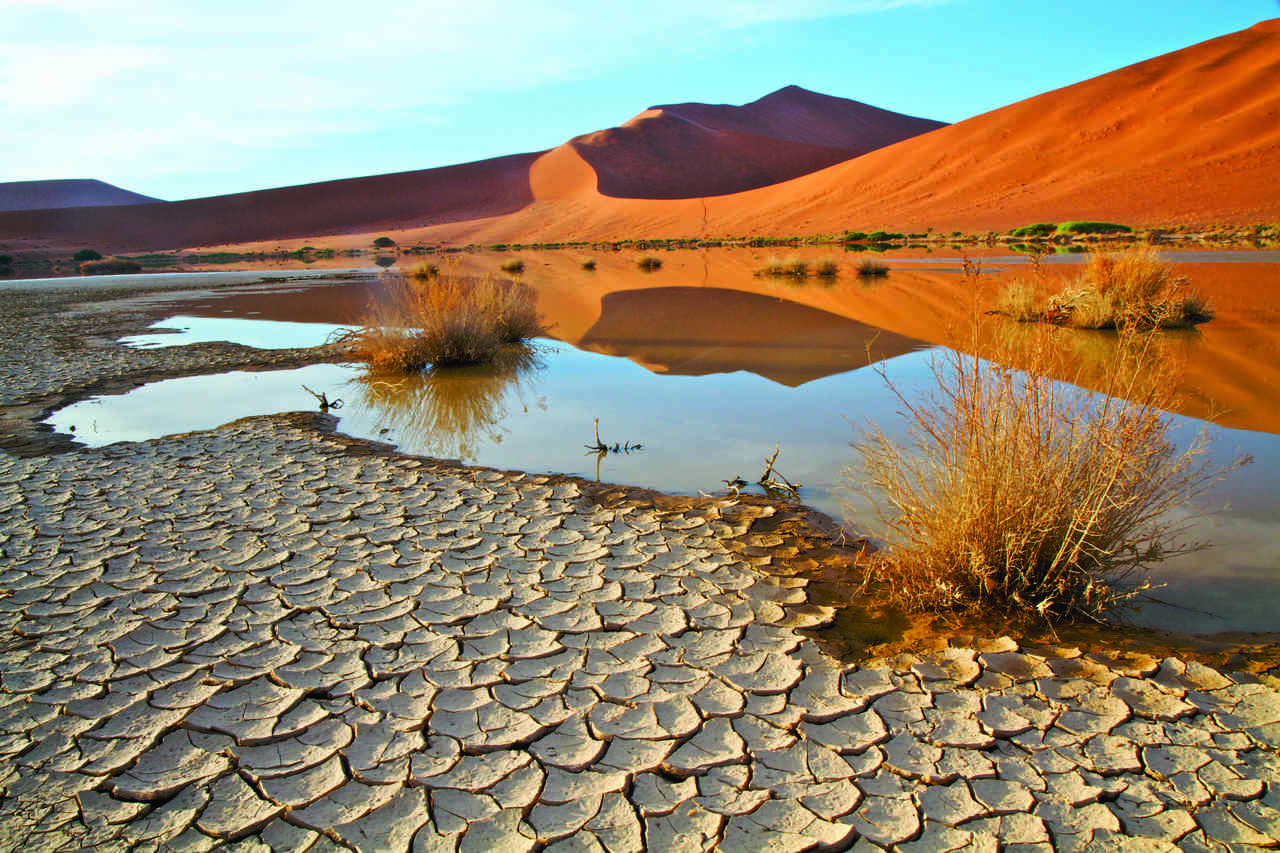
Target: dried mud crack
(269, 636)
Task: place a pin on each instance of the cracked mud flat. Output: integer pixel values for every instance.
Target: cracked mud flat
(269, 636)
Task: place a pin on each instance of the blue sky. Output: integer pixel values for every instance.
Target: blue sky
(180, 100)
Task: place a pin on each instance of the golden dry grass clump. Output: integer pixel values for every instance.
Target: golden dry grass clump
(441, 321)
(1132, 288)
(872, 269)
(1016, 492)
(425, 270)
(778, 268)
(827, 269)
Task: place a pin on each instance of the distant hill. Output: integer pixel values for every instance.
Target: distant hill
(693, 150)
(82, 192)
(485, 188)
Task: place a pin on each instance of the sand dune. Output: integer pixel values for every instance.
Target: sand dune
(1191, 137)
(693, 150)
(43, 195)
(393, 202)
(684, 150)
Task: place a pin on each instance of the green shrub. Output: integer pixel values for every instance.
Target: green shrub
(87, 255)
(5, 260)
(1040, 229)
(384, 242)
(1084, 226)
(854, 236)
(883, 236)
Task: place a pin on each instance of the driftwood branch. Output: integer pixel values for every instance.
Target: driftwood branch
(603, 449)
(774, 482)
(325, 403)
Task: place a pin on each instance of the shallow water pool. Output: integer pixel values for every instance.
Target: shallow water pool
(536, 412)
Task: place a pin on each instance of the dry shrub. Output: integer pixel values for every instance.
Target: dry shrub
(424, 270)
(1017, 492)
(872, 269)
(1020, 301)
(790, 268)
(1132, 288)
(827, 269)
(443, 321)
(649, 263)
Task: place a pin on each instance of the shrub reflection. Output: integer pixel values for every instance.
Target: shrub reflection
(452, 411)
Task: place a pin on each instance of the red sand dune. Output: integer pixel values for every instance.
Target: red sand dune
(42, 195)
(694, 150)
(661, 153)
(392, 202)
(1189, 137)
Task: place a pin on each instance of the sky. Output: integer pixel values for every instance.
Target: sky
(181, 100)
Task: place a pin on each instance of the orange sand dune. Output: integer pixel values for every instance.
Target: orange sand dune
(693, 150)
(486, 188)
(662, 153)
(42, 195)
(1189, 137)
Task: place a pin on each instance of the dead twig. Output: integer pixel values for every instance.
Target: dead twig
(604, 449)
(325, 403)
(774, 483)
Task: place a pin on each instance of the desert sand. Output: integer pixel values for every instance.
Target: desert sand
(1189, 137)
(711, 148)
(694, 150)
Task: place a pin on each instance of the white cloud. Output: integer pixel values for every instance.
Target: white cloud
(92, 85)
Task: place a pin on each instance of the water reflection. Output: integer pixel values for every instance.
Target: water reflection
(182, 329)
(453, 411)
